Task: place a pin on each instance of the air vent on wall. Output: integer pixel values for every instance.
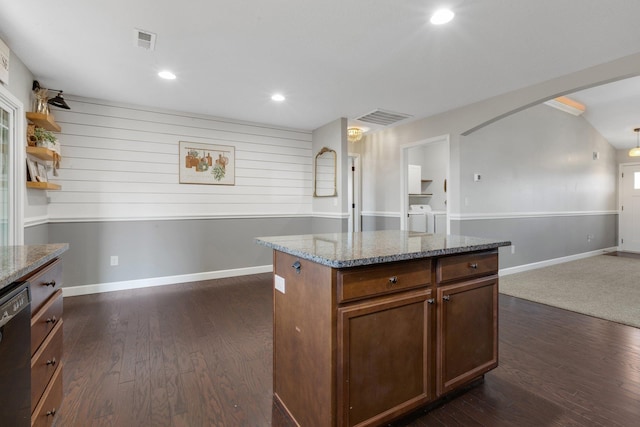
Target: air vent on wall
(384, 118)
(144, 39)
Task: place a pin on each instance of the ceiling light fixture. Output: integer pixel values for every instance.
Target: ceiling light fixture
(354, 134)
(567, 105)
(278, 97)
(167, 75)
(42, 100)
(635, 151)
(441, 16)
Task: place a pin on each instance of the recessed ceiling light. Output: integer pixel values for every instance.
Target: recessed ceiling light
(278, 97)
(167, 75)
(441, 16)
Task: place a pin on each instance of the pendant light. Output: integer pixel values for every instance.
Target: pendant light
(635, 151)
(354, 134)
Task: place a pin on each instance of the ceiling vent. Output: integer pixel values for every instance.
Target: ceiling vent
(383, 118)
(144, 39)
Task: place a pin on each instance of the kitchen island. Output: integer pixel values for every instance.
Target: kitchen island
(371, 326)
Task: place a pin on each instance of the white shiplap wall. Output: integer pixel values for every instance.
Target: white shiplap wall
(121, 162)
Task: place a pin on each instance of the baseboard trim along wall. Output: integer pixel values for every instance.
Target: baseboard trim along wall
(550, 262)
(210, 275)
(162, 281)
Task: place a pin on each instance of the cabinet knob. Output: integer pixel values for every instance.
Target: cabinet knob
(297, 266)
(431, 301)
(51, 320)
(393, 280)
(51, 413)
(51, 283)
(474, 265)
(51, 362)
(446, 297)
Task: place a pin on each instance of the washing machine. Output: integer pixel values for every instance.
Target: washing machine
(419, 216)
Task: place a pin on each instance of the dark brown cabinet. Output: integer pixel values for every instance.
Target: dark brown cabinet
(46, 343)
(467, 332)
(384, 357)
(362, 346)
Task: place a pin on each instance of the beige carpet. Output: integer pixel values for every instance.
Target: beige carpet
(603, 286)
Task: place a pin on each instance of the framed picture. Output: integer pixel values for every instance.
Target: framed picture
(42, 173)
(207, 163)
(32, 168)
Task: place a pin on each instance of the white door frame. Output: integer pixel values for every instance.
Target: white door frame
(404, 186)
(16, 163)
(620, 170)
(355, 218)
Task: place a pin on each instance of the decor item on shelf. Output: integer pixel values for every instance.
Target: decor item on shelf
(354, 134)
(41, 107)
(31, 137)
(45, 138)
(42, 101)
(635, 151)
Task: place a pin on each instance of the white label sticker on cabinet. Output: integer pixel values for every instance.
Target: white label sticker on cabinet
(279, 282)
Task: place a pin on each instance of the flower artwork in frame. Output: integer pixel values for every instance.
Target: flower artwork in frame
(207, 163)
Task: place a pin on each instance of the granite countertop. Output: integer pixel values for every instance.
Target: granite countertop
(19, 261)
(341, 250)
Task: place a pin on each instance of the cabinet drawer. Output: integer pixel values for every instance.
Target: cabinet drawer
(45, 413)
(362, 282)
(466, 266)
(45, 319)
(45, 362)
(44, 283)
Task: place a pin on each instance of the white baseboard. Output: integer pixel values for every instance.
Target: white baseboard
(550, 262)
(162, 281)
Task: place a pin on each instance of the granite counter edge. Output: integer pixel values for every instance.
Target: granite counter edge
(27, 269)
(383, 258)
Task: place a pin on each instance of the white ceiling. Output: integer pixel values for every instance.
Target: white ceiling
(330, 58)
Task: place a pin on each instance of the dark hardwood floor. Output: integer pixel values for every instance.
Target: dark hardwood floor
(199, 354)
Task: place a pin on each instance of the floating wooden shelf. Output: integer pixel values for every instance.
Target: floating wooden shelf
(43, 185)
(426, 180)
(42, 153)
(44, 121)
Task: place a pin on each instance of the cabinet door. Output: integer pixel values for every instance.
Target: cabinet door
(467, 332)
(385, 357)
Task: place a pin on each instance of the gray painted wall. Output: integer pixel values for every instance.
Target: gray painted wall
(537, 160)
(543, 238)
(36, 235)
(148, 249)
(541, 188)
(373, 223)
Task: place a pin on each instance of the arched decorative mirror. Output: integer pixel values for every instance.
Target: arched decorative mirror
(325, 173)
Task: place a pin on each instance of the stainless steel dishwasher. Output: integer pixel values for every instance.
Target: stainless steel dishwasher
(15, 355)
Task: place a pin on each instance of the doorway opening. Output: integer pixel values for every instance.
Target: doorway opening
(629, 218)
(429, 186)
(353, 192)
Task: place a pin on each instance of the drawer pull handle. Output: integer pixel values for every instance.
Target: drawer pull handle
(474, 265)
(393, 280)
(431, 301)
(51, 320)
(297, 266)
(51, 362)
(446, 297)
(51, 413)
(51, 283)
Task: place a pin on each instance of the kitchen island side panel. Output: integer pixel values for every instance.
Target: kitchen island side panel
(304, 340)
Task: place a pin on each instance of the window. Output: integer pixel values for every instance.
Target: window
(12, 169)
